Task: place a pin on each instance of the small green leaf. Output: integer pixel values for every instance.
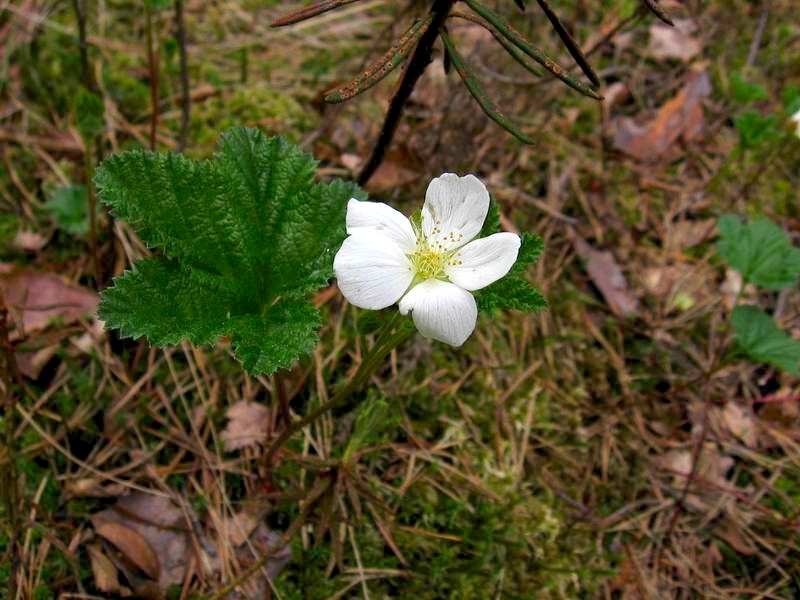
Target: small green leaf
(755, 128)
(514, 291)
(69, 207)
(156, 5)
(760, 251)
(763, 341)
(89, 114)
(791, 99)
(247, 236)
(746, 92)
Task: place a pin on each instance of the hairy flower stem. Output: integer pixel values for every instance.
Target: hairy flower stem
(389, 337)
(88, 160)
(152, 63)
(416, 67)
(9, 486)
(183, 58)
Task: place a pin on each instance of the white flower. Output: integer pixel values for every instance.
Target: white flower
(796, 120)
(430, 267)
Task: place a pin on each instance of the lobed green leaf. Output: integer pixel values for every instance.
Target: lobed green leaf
(761, 251)
(247, 236)
(763, 341)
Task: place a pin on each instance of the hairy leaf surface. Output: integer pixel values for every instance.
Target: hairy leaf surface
(246, 237)
(763, 341)
(761, 251)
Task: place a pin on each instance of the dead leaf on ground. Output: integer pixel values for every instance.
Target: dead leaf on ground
(710, 482)
(741, 422)
(607, 276)
(131, 543)
(150, 532)
(248, 424)
(35, 298)
(106, 576)
(264, 541)
(391, 174)
(30, 364)
(680, 286)
(683, 235)
(674, 42)
(29, 241)
(680, 118)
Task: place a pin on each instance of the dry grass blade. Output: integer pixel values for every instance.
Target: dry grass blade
(480, 95)
(538, 55)
(570, 43)
(309, 12)
(377, 71)
(652, 6)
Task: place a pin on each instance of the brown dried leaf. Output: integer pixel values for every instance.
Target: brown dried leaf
(239, 527)
(131, 543)
(687, 234)
(92, 487)
(30, 241)
(390, 175)
(248, 424)
(674, 42)
(31, 363)
(680, 117)
(151, 532)
(709, 476)
(36, 298)
(741, 423)
(732, 533)
(607, 276)
(106, 577)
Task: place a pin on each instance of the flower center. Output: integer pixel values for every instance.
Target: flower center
(429, 263)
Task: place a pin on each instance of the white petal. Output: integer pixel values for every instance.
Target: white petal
(483, 261)
(454, 211)
(380, 218)
(372, 270)
(441, 311)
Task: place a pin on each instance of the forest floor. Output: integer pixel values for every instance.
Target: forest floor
(615, 445)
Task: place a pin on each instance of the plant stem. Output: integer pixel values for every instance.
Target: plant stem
(183, 60)
(416, 67)
(88, 173)
(88, 164)
(86, 72)
(388, 339)
(152, 64)
(9, 377)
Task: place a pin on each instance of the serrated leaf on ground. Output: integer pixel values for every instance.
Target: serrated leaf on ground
(247, 235)
(763, 341)
(760, 251)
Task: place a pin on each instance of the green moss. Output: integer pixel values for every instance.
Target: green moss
(256, 105)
